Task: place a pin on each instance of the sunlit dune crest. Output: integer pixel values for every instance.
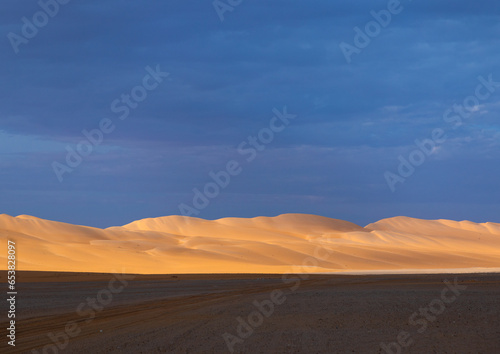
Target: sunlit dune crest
(288, 243)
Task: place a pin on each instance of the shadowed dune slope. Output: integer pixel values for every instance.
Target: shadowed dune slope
(282, 244)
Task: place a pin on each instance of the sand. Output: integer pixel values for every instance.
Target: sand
(284, 244)
(321, 314)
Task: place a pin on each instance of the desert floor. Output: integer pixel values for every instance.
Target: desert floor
(191, 313)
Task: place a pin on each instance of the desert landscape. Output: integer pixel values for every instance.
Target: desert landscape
(287, 243)
(234, 176)
(294, 283)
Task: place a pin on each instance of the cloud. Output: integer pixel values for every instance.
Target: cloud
(225, 78)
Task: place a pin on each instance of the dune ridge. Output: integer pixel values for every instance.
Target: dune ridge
(287, 243)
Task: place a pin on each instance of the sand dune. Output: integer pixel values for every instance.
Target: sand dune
(282, 244)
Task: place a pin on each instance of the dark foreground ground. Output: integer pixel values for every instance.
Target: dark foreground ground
(89, 313)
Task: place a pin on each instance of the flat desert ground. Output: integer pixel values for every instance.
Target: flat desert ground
(319, 314)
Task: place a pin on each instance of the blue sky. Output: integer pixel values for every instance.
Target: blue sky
(353, 121)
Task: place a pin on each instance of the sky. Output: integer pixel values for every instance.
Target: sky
(348, 87)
